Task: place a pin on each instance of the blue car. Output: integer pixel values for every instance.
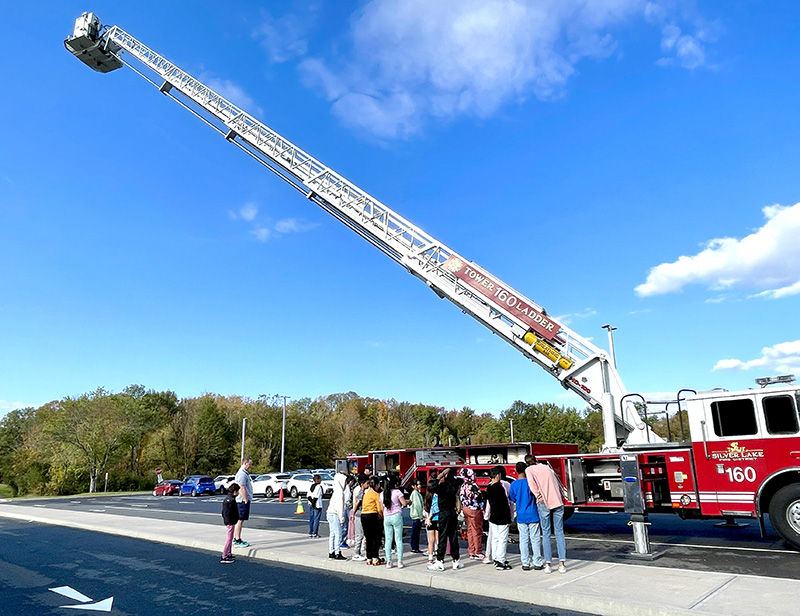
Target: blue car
(198, 484)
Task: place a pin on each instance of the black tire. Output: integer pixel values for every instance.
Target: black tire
(293, 492)
(268, 492)
(784, 514)
(194, 492)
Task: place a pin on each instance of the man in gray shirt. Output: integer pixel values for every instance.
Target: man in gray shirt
(243, 500)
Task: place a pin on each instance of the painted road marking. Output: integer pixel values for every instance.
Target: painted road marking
(85, 602)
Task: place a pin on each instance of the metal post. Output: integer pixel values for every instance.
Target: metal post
(511, 421)
(244, 424)
(283, 432)
(610, 329)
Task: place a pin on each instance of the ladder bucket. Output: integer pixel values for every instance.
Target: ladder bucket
(299, 509)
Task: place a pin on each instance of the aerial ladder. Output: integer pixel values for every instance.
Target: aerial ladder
(579, 365)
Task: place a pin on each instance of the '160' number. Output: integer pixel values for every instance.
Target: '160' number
(740, 475)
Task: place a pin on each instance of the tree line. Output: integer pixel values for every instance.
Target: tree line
(67, 446)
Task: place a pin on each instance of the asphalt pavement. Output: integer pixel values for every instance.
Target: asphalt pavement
(589, 586)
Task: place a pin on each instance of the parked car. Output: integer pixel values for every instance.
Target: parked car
(222, 482)
(198, 484)
(301, 483)
(270, 484)
(168, 487)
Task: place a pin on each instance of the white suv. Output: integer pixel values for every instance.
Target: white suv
(270, 484)
(301, 484)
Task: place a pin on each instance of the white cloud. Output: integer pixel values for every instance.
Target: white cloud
(248, 211)
(230, 91)
(768, 259)
(6, 406)
(262, 234)
(286, 37)
(412, 60)
(292, 225)
(566, 319)
(782, 358)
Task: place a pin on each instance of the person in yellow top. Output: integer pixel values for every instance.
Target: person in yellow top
(371, 520)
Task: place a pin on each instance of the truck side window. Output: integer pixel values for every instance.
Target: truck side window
(780, 415)
(734, 417)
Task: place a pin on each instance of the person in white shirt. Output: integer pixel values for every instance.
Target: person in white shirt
(243, 500)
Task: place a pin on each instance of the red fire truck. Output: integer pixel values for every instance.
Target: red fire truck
(741, 454)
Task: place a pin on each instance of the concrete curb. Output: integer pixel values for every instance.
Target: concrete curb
(446, 580)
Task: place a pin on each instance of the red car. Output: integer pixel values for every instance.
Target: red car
(168, 487)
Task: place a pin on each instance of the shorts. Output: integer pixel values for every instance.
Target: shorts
(244, 511)
(434, 525)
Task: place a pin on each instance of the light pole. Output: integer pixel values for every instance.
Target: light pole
(244, 424)
(283, 429)
(511, 421)
(610, 329)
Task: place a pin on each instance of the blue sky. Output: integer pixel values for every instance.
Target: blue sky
(618, 161)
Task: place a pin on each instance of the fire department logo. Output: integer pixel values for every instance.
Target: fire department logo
(454, 264)
(737, 452)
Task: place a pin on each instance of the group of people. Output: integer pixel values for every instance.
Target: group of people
(366, 511)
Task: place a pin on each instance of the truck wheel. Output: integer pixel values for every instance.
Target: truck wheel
(293, 492)
(268, 492)
(784, 513)
(194, 492)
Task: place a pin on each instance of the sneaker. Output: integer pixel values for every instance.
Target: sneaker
(416, 551)
(498, 566)
(242, 543)
(457, 564)
(344, 546)
(526, 567)
(389, 565)
(507, 567)
(562, 568)
(400, 565)
(487, 561)
(339, 556)
(548, 568)
(226, 560)
(430, 558)
(436, 565)
(538, 567)
(359, 557)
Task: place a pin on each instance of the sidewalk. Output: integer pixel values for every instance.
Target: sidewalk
(609, 589)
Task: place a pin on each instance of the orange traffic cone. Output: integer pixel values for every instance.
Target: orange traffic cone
(299, 509)
(280, 496)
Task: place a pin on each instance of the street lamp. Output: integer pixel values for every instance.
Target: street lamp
(283, 429)
(244, 424)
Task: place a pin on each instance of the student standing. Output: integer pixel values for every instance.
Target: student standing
(230, 516)
(371, 514)
(546, 487)
(314, 497)
(446, 488)
(393, 503)
(432, 521)
(499, 518)
(347, 527)
(362, 482)
(417, 515)
(335, 517)
(530, 531)
(472, 506)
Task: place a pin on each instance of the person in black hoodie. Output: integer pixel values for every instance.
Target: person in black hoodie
(446, 487)
(230, 515)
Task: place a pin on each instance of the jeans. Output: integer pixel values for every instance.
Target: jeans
(345, 526)
(313, 521)
(448, 530)
(335, 536)
(393, 529)
(416, 526)
(359, 537)
(530, 535)
(557, 517)
(499, 541)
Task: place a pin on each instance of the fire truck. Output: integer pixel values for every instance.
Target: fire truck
(739, 455)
